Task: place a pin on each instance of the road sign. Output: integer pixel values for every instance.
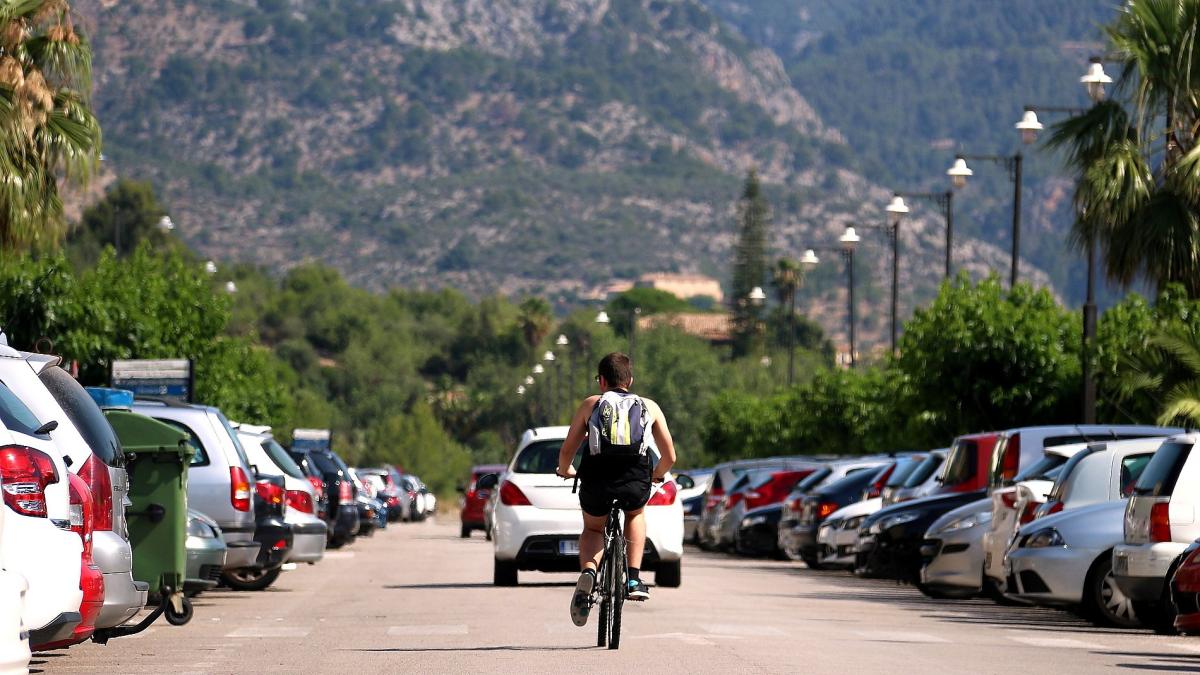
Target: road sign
(312, 439)
(161, 378)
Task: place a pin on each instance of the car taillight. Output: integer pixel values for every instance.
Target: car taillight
(1010, 462)
(300, 500)
(825, 508)
(269, 492)
(81, 512)
(732, 500)
(95, 474)
(26, 473)
(1009, 499)
(1160, 522)
(1055, 507)
(1027, 513)
(664, 495)
(345, 491)
(796, 505)
(511, 495)
(318, 486)
(714, 498)
(239, 489)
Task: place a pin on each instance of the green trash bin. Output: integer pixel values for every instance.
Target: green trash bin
(157, 457)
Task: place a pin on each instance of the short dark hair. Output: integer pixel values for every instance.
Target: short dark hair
(616, 370)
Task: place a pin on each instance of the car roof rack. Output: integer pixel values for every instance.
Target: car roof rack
(168, 402)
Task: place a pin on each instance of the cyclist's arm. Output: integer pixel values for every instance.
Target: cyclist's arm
(664, 442)
(575, 436)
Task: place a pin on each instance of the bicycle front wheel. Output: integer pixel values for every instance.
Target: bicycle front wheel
(618, 592)
(605, 604)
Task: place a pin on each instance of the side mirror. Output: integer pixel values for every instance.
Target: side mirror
(487, 481)
(685, 482)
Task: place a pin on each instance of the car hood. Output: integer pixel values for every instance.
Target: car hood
(937, 504)
(866, 506)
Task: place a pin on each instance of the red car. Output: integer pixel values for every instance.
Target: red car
(474, 500)
(1185, 591)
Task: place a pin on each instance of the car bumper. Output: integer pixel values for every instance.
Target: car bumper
(836, 547)
(49, 560)
(1049, 576)
(14, 643)
(241, 554)
(122, 599)
(206, 557)
(346, 524)
(515, 525)
(760, 539)
(954, 561)
(308, 542)
(60, 628)
(276, 540)
(1141, 571)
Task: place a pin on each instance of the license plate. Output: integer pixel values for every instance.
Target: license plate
(1120, 565)
(568, 547)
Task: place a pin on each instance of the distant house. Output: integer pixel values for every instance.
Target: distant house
(717, 328)
(684, 286)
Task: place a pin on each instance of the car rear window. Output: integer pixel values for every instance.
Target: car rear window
(541, 457)
(199, 456)
(237, 445)
(923, 471)
(1043, 469)
(904, 469)
(15, 415)
(281, 458)
(962, 462)
(1060, 484)
(1131, 470)
(814, 479)
(84, 414)
(852, 482)
(1159, 476)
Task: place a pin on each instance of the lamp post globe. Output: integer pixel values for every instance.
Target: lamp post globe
(529, 380)
(1095, 79)
(809, 258)
(562, 340)
(165, 224)
(959, 172)
(520, 390)
(1029, 126)
(210, 267)
(538, 369)
(548, 357)
(849, 239)
(757, 297)
(602, 317)
(896, 209)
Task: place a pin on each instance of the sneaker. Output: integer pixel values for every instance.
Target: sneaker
(636, 590)
(581, 602)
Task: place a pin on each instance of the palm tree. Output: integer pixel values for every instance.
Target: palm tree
(535, 319)
(1168, 373)
(1140, 203)
(47, 129)
(786, 278)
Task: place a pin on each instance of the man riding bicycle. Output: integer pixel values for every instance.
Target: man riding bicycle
(613, 430)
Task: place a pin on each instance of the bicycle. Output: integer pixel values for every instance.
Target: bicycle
(609, 592)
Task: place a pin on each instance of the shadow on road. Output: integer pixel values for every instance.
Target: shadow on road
(1173, 663)
(451, 585)
(497, 648)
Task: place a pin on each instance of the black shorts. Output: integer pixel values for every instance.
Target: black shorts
(596, 498)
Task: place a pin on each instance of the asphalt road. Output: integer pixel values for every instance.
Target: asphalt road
(416, 598)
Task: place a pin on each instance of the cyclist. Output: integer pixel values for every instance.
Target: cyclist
(606, 475)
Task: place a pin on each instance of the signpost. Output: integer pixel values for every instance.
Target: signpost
(312, 439)
(171, 379)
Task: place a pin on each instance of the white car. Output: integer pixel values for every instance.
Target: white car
(536, 519)
(37, 543)
(838, 533)
(309, 531)
(14, 640)
(1160, 522)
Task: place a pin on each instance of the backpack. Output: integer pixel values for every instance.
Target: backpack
(618, 425)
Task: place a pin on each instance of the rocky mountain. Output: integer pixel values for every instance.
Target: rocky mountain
(513, 146)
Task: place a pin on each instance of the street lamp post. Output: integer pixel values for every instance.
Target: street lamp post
(959, 172)
(849, 240)
(944, 201)
(891, 228)
(555, 386)
(633, 321)
(807, 261)
(569, 394)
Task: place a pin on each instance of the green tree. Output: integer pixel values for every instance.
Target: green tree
(128, 213)
(535, 319)
(749, 264)
(47, 129)
(646, 301)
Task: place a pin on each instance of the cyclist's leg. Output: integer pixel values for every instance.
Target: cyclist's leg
(635, 536)
(591, 541)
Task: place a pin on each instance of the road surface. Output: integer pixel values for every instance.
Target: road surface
(417, 598)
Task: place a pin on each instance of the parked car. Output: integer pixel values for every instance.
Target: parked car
(417, 497)
(890, 540)
(764, 488)
(309, 532)
(475, 498)
(538, 519)
(1185, 591)
(220, 481)
(824, 501)
(1102, 472)
(1027, 456)
(757, 533)
(792, 534)
(919, 482)
(1066, 559)
(952, 551)
(318, 461)
(724, 477)
(386, 490)
(85, 436)
(205, 554)
(37, 543)
(1159, 526)
(710, 524)
(838, 534)
(14, 639)
(692, 486)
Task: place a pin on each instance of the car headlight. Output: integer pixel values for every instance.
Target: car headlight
(892, 521)
(1046, 538)
(966, 522)
(198, 528)
(852, 523)
(753, 520)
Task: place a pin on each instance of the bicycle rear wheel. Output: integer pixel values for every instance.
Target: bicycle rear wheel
(618, 591)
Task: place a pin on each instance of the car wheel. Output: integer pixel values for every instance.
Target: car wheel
(993, 593)
(1103, 602)
(465, 531)
(669, 574)
(487, 534)
(811, 562)
(250, 578)
(504, 572)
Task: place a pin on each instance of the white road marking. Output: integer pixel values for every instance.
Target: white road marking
(269, 632)
(899, 636)
(1052, 642)
(1191, 649)
(428, 629)
(740, 630)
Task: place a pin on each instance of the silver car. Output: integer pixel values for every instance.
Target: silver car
(220, 480)
(1066, 559)
(953, 552)
(205, 554)
(309, 531)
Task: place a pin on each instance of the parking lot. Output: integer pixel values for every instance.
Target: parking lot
(419, 598)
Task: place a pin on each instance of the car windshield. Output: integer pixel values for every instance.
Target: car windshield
(281, 458)
(237, 445)
(541, 457)
(923, 471)
(1043, 469)
(1159, 476)
(814, 479)
(962, 464)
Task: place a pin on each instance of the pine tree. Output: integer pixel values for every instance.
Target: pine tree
(749, 264)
